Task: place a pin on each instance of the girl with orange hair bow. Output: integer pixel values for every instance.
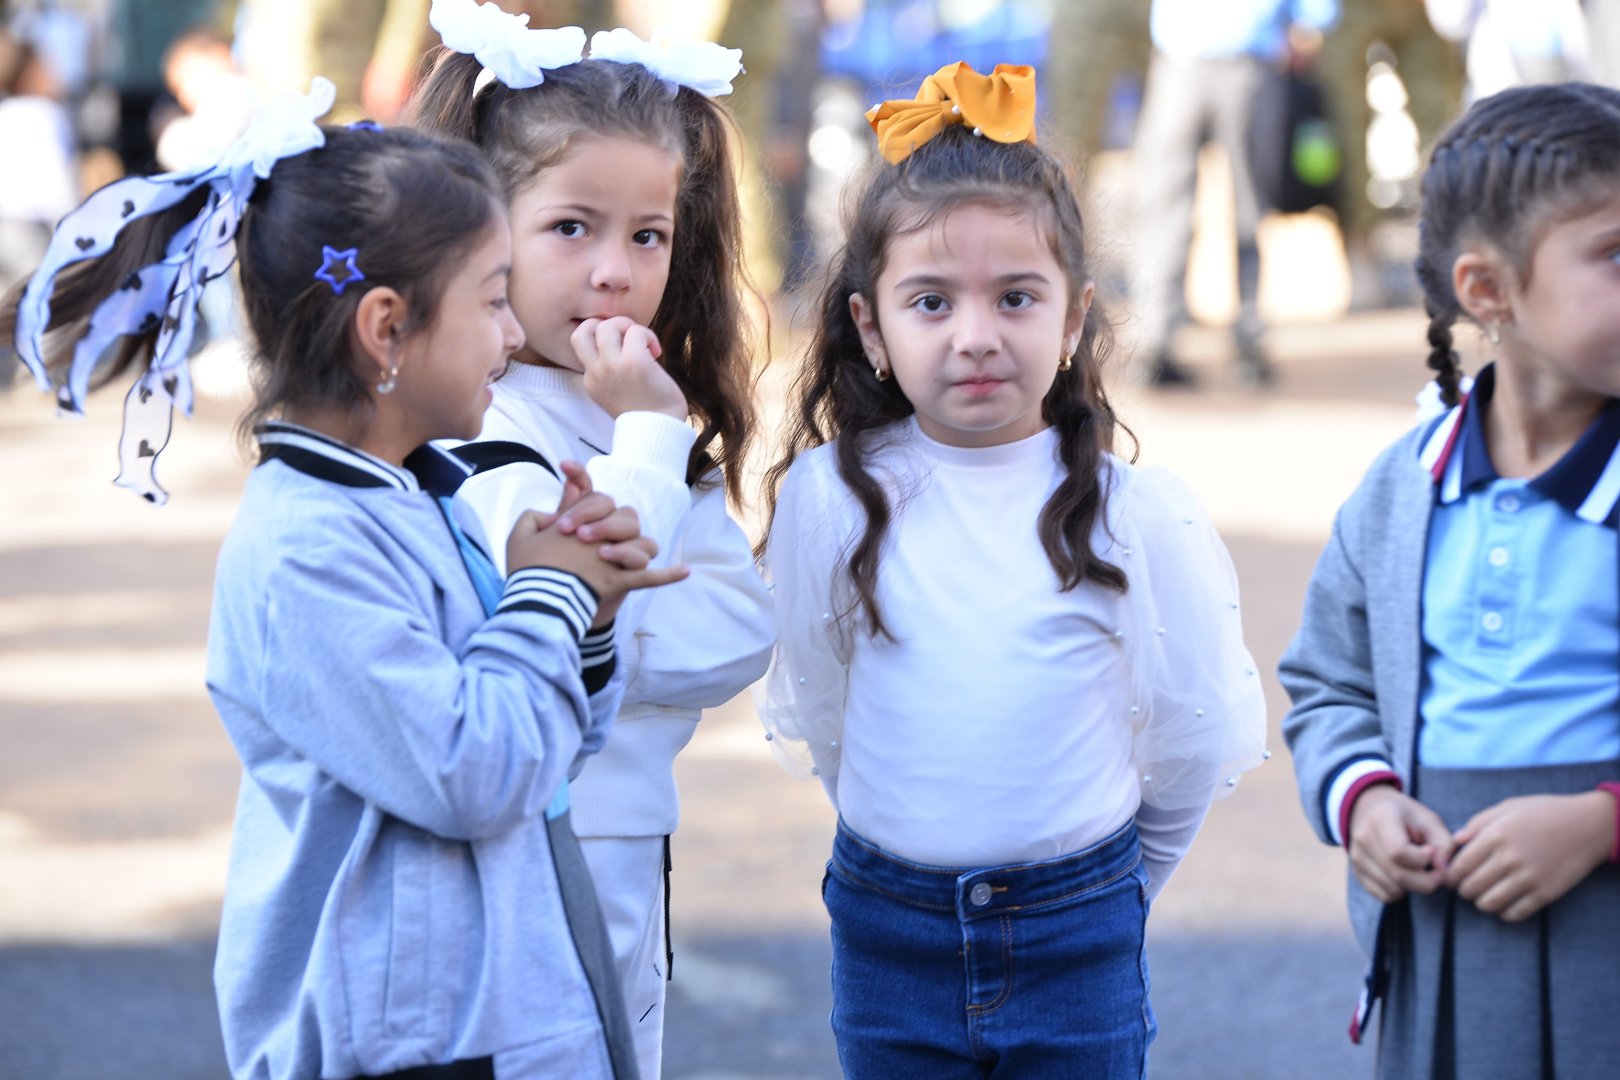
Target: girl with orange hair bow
(1014, 661)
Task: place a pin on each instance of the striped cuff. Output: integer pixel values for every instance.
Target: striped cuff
(1351, 781)
(597, 659)
(552, 592)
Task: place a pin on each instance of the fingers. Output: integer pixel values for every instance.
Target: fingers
(1424, 827)
(623, 524)
(588, 510)
(653, 577)
(576, 484)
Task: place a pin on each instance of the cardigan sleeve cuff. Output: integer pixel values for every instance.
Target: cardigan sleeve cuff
(597, 659)
(1347, 787)
(552, 592)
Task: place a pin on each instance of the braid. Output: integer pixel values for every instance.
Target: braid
(1443, 357)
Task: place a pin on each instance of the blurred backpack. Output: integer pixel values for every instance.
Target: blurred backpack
(1293, 149)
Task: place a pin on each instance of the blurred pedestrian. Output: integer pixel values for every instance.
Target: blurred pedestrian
(1210, 61)
(1453, 679)
(368, 48)
(1514, 42)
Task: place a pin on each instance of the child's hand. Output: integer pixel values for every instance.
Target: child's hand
(1397, 845)
(1520, 855)
(622, 372)
(593, 539)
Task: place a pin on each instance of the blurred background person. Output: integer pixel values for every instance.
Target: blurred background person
(137, 37)
(1514, 42)
(1210, 61)
(368, 48)
(213, 101)
(1373, 42)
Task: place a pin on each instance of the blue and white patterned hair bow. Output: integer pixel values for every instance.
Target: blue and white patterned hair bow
(509, 50)
(703, 66)
(162, 295)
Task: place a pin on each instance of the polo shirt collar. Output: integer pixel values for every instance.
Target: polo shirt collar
(1585, 480)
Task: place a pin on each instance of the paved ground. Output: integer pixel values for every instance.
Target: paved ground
(116, 783)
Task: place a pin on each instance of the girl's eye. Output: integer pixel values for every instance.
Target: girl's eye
(930, 303)
(1018, 298)
(500, 303)
(649, 238)
(570, 229)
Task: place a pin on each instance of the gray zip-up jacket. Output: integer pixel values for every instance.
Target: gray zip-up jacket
(392, 900)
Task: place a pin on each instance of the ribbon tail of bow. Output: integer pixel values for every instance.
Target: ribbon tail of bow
(148, 422)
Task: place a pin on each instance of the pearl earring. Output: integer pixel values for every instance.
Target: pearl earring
(1493, 332)
(386, 386)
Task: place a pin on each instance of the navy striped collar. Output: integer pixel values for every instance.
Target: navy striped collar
(428, 468)
(1586, 480)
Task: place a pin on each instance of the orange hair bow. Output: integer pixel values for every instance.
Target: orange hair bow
(1000, 106)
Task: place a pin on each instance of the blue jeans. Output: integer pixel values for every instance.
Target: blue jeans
(1027, 971)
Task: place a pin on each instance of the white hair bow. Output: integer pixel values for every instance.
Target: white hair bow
(161, 296)
(703, 66)
(509, 50)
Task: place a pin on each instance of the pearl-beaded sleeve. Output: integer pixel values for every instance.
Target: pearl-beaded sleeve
(801, 700)
(1197, 705)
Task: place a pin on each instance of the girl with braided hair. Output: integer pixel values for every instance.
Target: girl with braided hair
(1456, 719)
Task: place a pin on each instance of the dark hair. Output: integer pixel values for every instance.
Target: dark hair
(839, 401)
(1513, 164)
(701, 322)
(411, 204)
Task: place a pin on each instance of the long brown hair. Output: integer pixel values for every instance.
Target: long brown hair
(838, 400)
(701, 322)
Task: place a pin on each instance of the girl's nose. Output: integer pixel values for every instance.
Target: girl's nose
(976, 332)
(612, 269)
(512, 334)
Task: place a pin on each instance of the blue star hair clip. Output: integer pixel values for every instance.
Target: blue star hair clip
(338, 270)
(365, 125)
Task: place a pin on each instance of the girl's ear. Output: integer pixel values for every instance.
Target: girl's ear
(1074, 326)
(1482, 280)
(865, 316)
(379, 326)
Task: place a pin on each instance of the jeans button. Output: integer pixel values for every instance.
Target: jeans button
(979, 895)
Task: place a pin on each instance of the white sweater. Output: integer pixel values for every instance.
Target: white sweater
(1010, 721)
(685, 647)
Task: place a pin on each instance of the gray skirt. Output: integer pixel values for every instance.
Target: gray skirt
(1471, 997)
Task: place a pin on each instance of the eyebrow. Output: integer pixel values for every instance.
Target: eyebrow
(503, 270)
(927, 280)
(593, 211)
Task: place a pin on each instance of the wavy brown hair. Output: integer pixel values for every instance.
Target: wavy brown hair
(1514, 163)
(701, 322)
(836, 399)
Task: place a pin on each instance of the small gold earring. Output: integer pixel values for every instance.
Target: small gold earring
(1066, 360)
(881, 373)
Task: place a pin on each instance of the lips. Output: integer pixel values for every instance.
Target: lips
(979, 385)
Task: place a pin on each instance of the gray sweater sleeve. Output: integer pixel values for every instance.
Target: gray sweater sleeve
(464, 744)
(1328, 672)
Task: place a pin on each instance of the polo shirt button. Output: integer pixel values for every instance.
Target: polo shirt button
(1499, 556)
(1508, 504)
(979, 895)
(1491, 621)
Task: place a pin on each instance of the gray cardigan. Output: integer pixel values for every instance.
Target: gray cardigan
(1353, 669)
(391, 899)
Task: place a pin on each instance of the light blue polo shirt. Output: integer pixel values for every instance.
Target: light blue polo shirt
(1521, 605)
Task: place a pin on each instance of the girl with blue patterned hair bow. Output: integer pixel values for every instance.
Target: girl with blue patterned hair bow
(405, 894)
(616, 159)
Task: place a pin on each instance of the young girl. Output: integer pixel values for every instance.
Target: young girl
(625, 278)
(1456, 720)
(1015, 660)
(400, 899)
